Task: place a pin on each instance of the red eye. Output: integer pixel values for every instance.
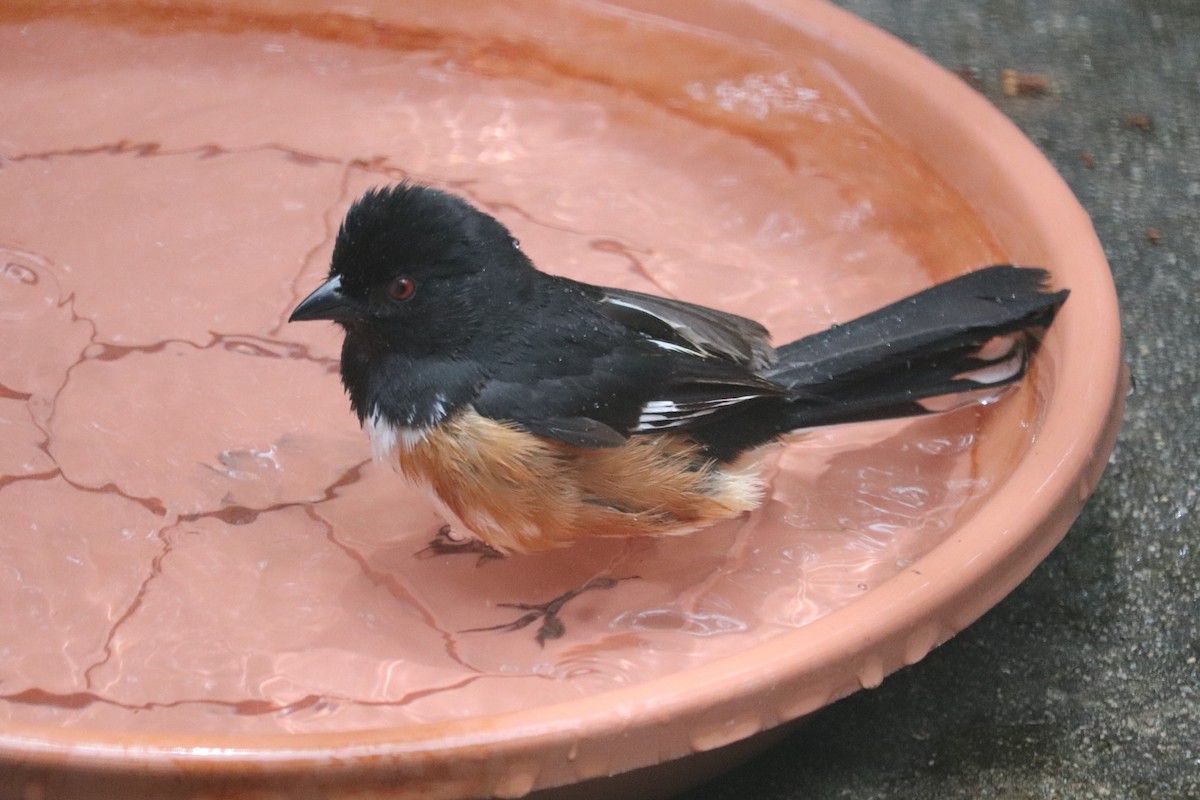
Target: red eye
(401, 288)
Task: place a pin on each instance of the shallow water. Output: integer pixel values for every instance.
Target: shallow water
(192, 536)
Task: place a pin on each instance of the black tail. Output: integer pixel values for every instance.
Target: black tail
(925, 353)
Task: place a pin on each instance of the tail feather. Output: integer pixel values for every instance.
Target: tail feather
(973, 334)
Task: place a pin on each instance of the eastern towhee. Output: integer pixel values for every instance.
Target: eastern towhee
(540, 410)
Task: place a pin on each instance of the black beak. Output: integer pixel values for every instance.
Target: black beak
(327, 302)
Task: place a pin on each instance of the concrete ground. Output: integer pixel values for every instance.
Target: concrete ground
(1084, 683)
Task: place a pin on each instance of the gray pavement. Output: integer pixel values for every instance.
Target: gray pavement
(1084, 683)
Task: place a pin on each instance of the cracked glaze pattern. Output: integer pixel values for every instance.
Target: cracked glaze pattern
(192, 536)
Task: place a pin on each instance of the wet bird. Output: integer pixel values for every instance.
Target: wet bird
(539, 410)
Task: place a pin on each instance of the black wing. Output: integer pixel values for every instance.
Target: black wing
(608, 364)
(698, 330)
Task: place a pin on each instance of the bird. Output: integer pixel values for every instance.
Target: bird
(538, 411)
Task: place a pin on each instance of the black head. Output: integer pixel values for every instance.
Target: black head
(418, 271)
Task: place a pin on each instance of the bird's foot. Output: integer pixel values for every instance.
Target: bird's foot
(448, 542)
(552, 626)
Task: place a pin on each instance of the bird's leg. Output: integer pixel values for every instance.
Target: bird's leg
(447, 543)
(454, 537)
(552, 626)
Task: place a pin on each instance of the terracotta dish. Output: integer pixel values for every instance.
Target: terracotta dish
(209, 589)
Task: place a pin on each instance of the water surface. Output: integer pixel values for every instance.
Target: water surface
(192, 536)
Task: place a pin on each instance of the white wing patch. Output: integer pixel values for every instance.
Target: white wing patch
(675, 326)
(676, 348)
(695, 330)
(660, 415)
